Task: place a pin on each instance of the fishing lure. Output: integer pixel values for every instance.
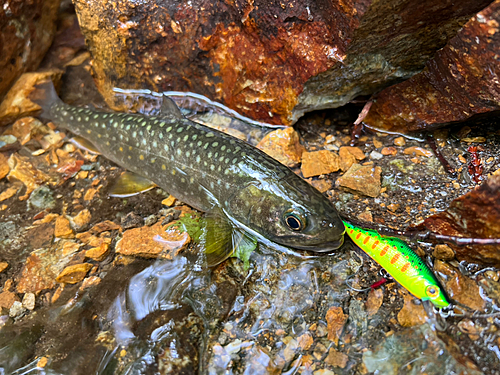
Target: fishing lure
(399, 260)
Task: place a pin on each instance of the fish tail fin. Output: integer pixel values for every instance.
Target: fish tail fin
(44, 94)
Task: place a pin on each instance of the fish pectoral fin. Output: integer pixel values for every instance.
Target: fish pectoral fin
(170, 109)
(129, 184)
(222, 240)
(83, 144)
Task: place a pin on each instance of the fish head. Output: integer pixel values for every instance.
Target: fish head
(291, 213)
(435, 294)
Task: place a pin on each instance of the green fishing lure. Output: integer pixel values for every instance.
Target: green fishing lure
(399, 260)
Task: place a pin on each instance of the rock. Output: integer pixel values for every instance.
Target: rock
(271, 62)
(42, 267)
(283, 145)
(41, 235)
(3, 266)
(21, 169)
(411, 314)
(16, 103)
(335, 319)
(443, 252)
(362, 179)
(90, 281)
(321, 185)
(131, 220)
(460, 81)
(418, 151)
(476, 215)
(460, 287)
(23, 128)
(346, 159)
(399, 141)
(336, 358)
(152, 242)
(319, 162)
(8, 142)
(16, 309)
(98, 253)
(7, 299)
(374, 155)
(27, 32)
(62, 228)
(29, 301)
(374, 301)
(42, 198)
(389, 151)
(74, 274)
(169, 201)
(305, 341)
(4, 166)
(9, 192)
(81, 220)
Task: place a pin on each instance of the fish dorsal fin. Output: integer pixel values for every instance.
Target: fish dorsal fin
(222, 240)
(170, 109)
(83, 144)
(129, 184)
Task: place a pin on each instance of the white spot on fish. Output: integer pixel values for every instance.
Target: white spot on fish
(185, 138)
(209, 135)
(194, 137)
(168, 129)
(179, 130)
(155, 144)
(215, 144)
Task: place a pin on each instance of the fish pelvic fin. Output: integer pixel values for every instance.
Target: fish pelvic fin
(44, 94)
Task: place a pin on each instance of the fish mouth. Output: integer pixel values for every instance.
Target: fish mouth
(324, 247)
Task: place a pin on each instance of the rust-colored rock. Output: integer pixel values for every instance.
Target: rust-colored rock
(98, 253)
(74, 274)
(335, 320)
(81, 220)
(363, 179)
(411, 314)
(152, 242)
(443, 252)
(374, 301)
(461, 81)
(460, 287)
(16, 103)
(283, 145)
(23, 128)
(348, 156)
(475, 215)
(21, 169)
(26, 32)
(7, 299)
(4, 166)
(319, 162)
(62, 228)
(336, 358)
(270, 61)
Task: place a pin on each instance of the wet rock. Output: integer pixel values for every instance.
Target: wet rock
(169, 201)
(152, 242)
(322, 185)
(16, 103)
(42, 198)
(319, 162)
(23, 128)
(305, 341)
(374, 301)
(131, 220)
(3, 266)
(418, 151)
(16, 309)
(98, 253)
(283, 145)
(81, 220)
(7, 299)
(389, 151)
(62, 228)
(460, 287)
(335, 319)
(4, 166)
(8, 142)
(476, 215)
(443, 252)
(41, 235)
(270, 62)
(74, 274)
(29, 301)
(21, 169)
(42, 267)
(362, 179)
(374, 155)
(411, 314)
(399, 141)
(90, 281)
(336, 359)
(9, 192)
(417, 350)
(459, 82)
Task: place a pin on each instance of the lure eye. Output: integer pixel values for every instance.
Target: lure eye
(294, 220)
(432, 291)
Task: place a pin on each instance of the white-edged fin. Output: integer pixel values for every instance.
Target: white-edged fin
(170, 109)
(84, 144)
(130, 184)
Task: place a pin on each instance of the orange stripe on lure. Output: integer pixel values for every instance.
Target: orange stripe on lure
(399, 260)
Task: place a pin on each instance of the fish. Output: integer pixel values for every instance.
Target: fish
(401, 262)
(246, 190)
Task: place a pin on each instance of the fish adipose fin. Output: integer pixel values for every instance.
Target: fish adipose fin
(222, 240)
(130, 184)
(84, 144)
(44, 94)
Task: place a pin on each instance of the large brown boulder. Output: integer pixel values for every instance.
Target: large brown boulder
(26, 32)
(270, 61)
(461, 81)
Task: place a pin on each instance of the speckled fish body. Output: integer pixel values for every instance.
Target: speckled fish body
(208, 169)
(399, 260)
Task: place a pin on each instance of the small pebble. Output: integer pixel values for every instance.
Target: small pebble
(150, 220)
(375, 155)
(16, 310)
(29, 301)
(399, 141)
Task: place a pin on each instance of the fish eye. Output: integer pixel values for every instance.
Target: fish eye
(294, 219)
(432, 291)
